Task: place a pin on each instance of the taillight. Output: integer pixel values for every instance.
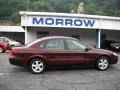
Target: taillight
(14, 51)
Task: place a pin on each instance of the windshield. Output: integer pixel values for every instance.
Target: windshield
(8, 39)
(85, 44)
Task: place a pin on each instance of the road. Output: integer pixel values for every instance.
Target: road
(77, 78)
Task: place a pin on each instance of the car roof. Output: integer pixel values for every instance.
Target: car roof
(49, 37)
(53, 37)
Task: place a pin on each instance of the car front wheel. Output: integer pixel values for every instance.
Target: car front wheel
(37, 66)
(102, 63)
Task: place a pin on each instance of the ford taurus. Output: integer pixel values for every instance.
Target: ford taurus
(60, 51)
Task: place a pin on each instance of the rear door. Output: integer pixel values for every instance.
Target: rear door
(57, 53)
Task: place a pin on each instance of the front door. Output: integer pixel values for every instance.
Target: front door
(78, 53)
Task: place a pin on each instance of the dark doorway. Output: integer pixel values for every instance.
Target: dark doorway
(103, 37)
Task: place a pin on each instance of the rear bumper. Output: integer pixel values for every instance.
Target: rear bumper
(17, 61)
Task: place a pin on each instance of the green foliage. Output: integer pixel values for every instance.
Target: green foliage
(9, 9)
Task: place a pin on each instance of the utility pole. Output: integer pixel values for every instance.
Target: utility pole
(28, 1)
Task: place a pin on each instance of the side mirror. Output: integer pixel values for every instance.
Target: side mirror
(87, 48)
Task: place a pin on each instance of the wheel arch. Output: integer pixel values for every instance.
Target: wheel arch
(104, 56)
(40, 57)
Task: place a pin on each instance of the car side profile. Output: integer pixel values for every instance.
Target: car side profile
(111, 45)
(11, 42)
(60, 51)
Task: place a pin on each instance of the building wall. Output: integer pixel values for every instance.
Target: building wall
(51, 19)
(87, 36)
(31, 36)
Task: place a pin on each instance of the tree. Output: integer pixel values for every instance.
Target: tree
(9, 9)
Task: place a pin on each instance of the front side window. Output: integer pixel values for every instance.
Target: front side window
(75, 45)
(53, 44)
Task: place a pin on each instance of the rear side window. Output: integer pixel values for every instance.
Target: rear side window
(53, 44)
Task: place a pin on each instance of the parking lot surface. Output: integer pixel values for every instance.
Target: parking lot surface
(75, 78)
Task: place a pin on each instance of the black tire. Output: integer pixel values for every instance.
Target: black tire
(2, 50)
(102, 63)
(37, 66)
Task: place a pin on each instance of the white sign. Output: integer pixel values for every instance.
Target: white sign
(69, 22)
(62, 22)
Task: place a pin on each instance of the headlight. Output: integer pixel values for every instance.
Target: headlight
(115, 54)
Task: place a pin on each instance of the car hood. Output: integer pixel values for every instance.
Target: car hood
(102, 51)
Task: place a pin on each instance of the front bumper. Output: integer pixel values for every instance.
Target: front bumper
(114, 59)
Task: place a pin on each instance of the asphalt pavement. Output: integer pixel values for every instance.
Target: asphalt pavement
(77, 78)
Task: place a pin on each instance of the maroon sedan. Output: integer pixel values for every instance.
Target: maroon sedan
(60, 51)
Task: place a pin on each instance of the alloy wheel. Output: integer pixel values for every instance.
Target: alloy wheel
(37, 66)
(103, 63)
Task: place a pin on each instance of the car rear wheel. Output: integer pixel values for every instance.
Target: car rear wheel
(2, 50)
(37, 66)
(102, 63)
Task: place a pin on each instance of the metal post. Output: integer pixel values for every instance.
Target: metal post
(25, 35)
(26, 22)
(98, 38)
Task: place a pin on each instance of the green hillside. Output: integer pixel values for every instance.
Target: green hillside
(9, 9)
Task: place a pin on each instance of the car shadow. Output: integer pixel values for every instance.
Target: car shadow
(26, 70)
(17, 69)
(69, 68)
